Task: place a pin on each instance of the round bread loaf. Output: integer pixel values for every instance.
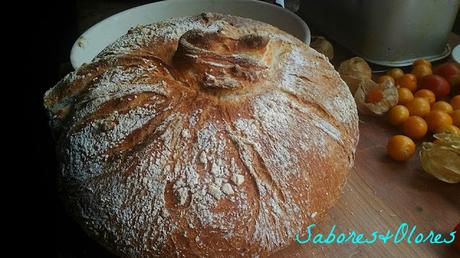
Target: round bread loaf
(205, 136)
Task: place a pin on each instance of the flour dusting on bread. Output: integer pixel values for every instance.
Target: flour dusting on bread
(202, 136)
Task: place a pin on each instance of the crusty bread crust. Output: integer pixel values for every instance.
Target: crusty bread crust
(206, 136)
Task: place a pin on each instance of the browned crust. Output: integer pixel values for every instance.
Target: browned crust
(152, 141)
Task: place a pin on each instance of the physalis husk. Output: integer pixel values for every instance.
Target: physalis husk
(388, 99)
(442, 158)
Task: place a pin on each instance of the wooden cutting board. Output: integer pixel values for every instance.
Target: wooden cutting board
(380, 195)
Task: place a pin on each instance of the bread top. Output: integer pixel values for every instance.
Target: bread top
(211, 135)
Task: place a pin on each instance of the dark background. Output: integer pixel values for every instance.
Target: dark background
(41, 49)
(44, 44)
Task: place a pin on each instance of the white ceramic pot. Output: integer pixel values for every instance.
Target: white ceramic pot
(96, 38)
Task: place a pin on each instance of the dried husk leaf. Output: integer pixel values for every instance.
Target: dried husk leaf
(323, 46)
(442, 159)
(352, 82)
(353, 71)
(389, 100)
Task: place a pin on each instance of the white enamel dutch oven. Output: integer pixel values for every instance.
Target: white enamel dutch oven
(96, 38)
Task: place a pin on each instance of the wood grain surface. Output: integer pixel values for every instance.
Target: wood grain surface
(381, 194)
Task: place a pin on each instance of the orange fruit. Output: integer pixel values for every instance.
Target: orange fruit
(437, 119)
(400, 147)
(422, 62)
(398, 115)
(455, 102)
(421, 70)
(374, 96)
(384, 78)
(404, 96)
(437, 84)
(396, 73)
(449, 129)
(447, 70)
(418, 107)
(408, 80)
(455, 117)
(428, 94)
(415, 127)
(442, 106)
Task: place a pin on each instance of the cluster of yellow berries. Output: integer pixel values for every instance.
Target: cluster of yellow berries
(420, 110)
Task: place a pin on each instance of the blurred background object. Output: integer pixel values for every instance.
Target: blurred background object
(391, 32)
